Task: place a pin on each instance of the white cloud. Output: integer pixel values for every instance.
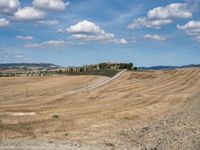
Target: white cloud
(19, 56)
(45, 44)
(85, 27)
(171, 11)
(159, 16)
(197, 38)
(55, 5)
(144, 22)
(154, 37)
(61, 31)
(24, 37)
(86, 37)
(191, 28)
(120, 41)
(54, 43)
(9, 6)
(89, 31)
(33, 45)
(28, 14)
(48, 22)
(191, 25)
(4, 22)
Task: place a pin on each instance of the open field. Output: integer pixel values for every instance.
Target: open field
(137, 110)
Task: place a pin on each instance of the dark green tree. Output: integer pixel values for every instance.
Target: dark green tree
(129, 66)
(135, 68)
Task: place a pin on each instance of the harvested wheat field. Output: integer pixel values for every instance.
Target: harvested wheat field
(136, 110)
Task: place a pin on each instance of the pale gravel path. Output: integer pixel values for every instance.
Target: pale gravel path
(94, 86)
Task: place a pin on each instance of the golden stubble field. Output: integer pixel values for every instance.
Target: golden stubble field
(47, 108)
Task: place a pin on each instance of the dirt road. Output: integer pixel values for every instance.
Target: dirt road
(137, 110)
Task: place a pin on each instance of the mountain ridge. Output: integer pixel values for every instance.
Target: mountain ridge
(163, 67)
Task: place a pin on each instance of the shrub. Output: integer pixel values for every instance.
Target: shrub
(55, 116)
(135, 68)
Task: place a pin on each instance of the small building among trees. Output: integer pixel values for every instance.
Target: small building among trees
(101, 66)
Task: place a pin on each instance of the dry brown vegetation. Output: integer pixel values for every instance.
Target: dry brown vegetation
(138, 110)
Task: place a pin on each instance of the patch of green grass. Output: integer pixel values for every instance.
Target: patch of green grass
(102, 72)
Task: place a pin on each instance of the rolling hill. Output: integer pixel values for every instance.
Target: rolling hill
(27, 67)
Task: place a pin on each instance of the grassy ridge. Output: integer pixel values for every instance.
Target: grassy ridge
(103, 72)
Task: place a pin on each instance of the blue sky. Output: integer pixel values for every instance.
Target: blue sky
(77, 32)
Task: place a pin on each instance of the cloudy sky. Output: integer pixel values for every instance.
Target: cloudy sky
(78, 32)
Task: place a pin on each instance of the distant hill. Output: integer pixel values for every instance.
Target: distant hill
(37, 67)
(27, 67)
(170, 67)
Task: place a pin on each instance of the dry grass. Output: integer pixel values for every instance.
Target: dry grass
(133, 100)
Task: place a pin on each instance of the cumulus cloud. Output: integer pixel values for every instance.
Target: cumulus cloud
(9, 6)
(85, 27)
(28, 14)
(89, 31)
(50, 43)
(48, 22)
(171, 11)
(55, 5)
(191, 28)
(35, 13)
(24, 37)
(144, 22)
(154, 37)
(4, 22)
(159, 16)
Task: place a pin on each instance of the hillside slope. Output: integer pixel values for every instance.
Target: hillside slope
(138, 110)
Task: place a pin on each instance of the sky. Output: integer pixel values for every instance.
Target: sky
(80, 32)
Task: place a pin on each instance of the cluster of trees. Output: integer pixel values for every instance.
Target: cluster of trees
(7, 75)
(116, 66)
(10, 74)
(126, 66)
(69, 71)
(101, 66)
